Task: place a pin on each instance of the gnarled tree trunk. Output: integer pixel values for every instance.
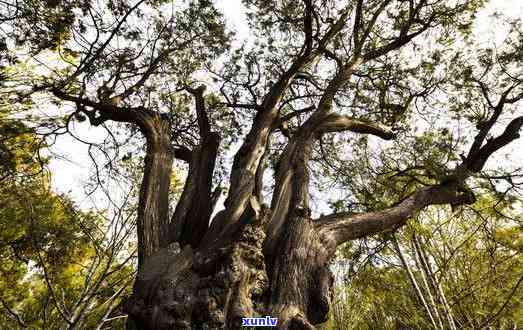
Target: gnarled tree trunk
(256, 260)
(268, 261)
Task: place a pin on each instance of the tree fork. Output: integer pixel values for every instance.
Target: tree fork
(301, 282)
(191, 218)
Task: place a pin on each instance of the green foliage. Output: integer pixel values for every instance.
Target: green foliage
(56, 261)
(18, 149)
(475, 256)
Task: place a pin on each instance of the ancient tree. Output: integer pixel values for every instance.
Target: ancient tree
(314, 82)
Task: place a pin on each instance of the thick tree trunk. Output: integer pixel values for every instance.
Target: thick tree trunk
(214, 287)
(153, 215)
(243, 273)
(210, 289)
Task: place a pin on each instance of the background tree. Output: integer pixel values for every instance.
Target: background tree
(445, 270)
(322, 84)
(61, 269)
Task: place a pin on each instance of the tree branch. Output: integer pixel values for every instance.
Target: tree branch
(403, 37)
(396, 44)
(201, 111)
(341, 227)
(357, 24)
(191, 217)
(14, 314)
(370, 25)
(485, 127)
(88, 62)
(107, 111)
(307, 25)
(247, 159)
(476, 160)
(338, 123)
(183, 153)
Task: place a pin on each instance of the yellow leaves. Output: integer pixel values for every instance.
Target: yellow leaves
(177, 183)
(511, 238)
(43, 235)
